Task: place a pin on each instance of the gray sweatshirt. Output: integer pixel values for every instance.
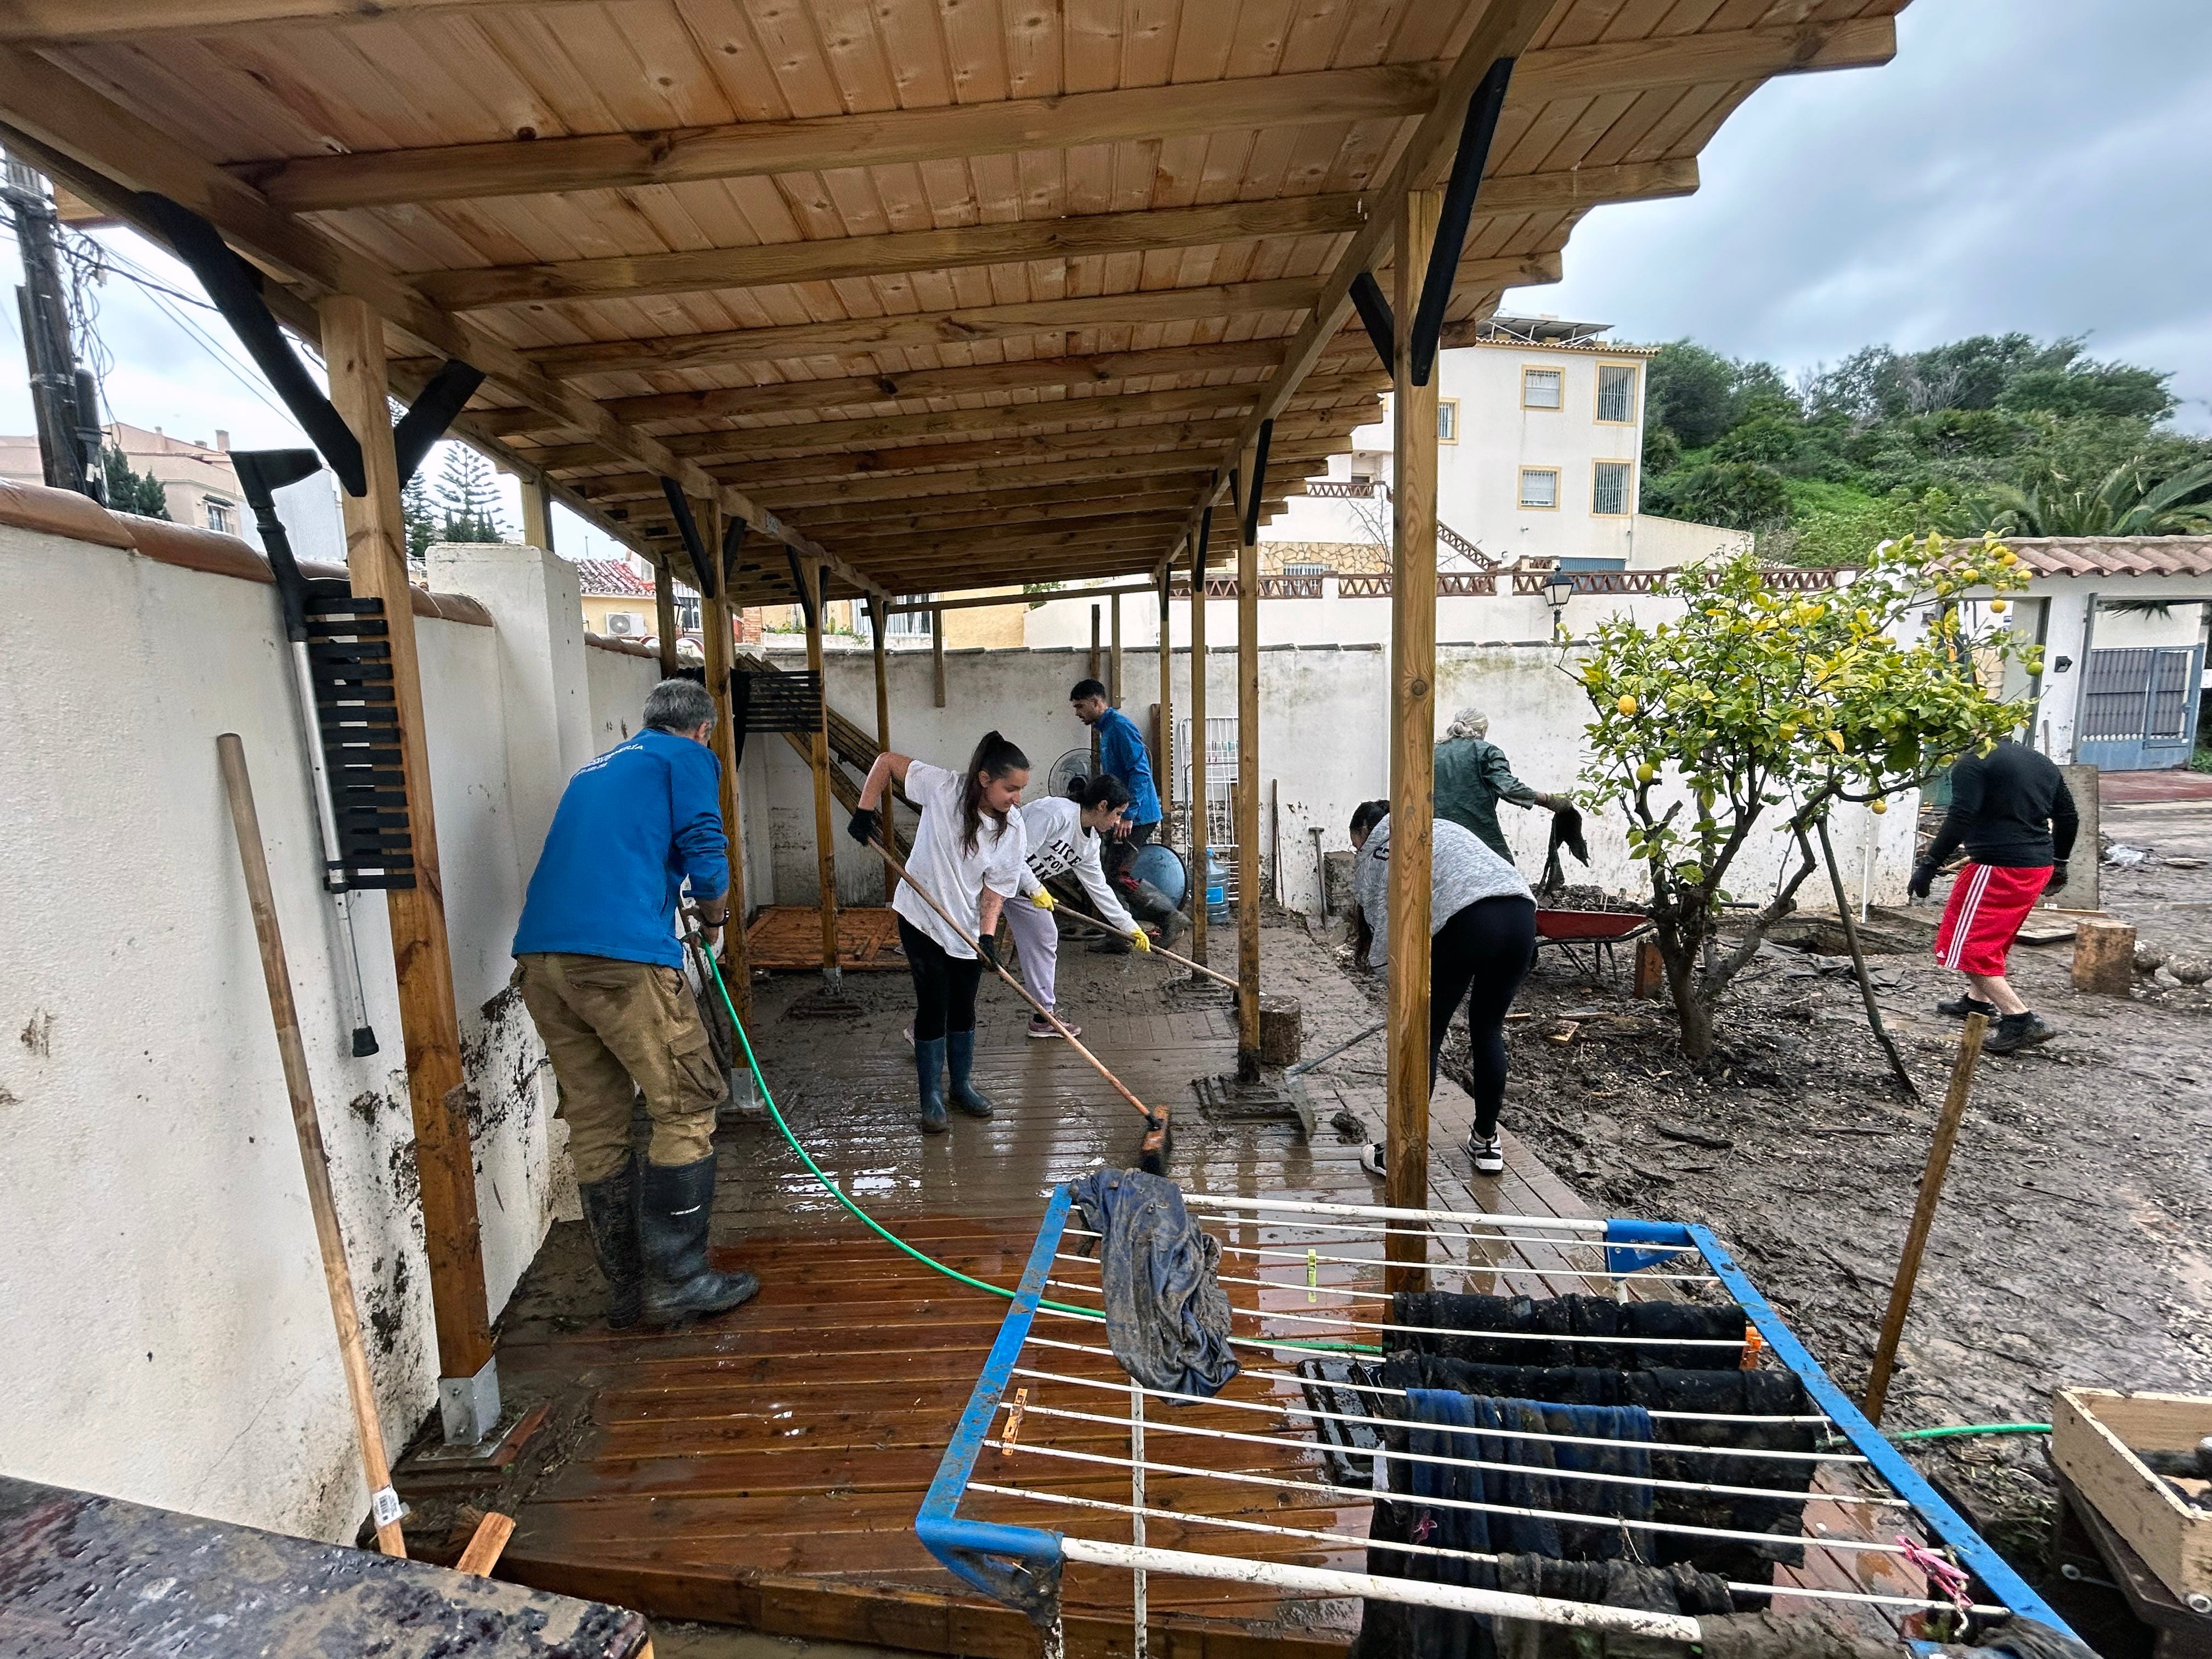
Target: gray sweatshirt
(1461, 870)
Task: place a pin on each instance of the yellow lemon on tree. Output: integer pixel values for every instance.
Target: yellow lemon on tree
(1626, 705)
(1645, 773)
(1998, 606)
(1877, 807)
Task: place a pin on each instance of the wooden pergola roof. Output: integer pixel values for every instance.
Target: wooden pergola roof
(956, 292)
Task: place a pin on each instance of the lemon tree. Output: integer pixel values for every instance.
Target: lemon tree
(1761, 702)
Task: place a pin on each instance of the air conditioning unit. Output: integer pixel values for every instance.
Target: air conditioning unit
(626, 625)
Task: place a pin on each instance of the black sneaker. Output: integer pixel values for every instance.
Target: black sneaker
(2017, 1031)
(1962, 1004)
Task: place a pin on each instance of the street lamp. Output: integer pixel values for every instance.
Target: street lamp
(1559, 588)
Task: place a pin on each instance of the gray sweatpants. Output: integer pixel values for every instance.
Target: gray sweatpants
(1036, 936)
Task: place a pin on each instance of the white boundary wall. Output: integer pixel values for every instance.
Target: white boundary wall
(170, 1338)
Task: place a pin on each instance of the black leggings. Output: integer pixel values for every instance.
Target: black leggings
(1481, 954)
(943, 985)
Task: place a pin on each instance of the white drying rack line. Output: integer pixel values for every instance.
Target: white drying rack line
(1301, 1257)
(1470, 1265)
(1286, 1410)
(1864, 1546)
(1400, 1394)
(1141, 1512)
(1364, 1212)
(1442, 1330)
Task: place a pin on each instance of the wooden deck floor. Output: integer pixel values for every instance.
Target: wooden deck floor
(764, 1468)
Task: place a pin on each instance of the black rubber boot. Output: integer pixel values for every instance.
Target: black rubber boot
(610, 1217)
(960, 1055)
(1967, 1003)
(2015, 1032)
(1148, 903)
(675, 1208)
(929, 1074)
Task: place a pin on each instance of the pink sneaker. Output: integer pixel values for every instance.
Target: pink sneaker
(1039, 1027)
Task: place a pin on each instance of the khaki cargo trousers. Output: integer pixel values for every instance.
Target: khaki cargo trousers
(613, 1029)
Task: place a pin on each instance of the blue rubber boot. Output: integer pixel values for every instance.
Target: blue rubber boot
(960, 1051)
(929, 1071)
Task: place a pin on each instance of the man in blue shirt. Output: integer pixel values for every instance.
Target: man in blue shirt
(1121, 755)
(600, 969)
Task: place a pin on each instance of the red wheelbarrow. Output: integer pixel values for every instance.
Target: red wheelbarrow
(1600, 930)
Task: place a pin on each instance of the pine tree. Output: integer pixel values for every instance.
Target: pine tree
(133, 492)
(420, 514)
(468, 498)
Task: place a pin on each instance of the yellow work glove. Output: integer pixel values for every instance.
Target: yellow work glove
(1141, 939)
(1041, 899)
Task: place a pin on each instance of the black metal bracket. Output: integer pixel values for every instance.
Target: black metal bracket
(1375, 315)
(694, 545)
(808, 599)
(1258, 489)
(235, 287)
(733, 538)
(1473, 156)
(1198, 555)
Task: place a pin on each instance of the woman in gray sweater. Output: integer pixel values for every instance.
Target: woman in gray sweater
(1482, 938)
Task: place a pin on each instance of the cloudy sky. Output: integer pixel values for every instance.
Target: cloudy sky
(2038, 165)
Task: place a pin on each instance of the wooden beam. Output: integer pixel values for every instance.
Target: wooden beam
(1247, 802)
(663, 614)
(826, 848)
(68, 20)
(878, 625)
(429, 1021)
(834, 258)
(1093, 671)
(718, 642)
(936, 660)
(312, 184)
(319, 183)
(1198, 824)
(106, 154)
(1163, 729)
(1114, 688)
(986, 601)
(537, 513)
(856, 540)
(1412, 757)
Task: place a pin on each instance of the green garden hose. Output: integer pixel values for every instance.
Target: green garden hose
(1972, 1428)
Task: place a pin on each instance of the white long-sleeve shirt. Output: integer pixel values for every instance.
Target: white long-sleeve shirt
(955, 876)
(1057, 842)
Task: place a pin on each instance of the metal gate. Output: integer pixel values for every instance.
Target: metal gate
(1221, 758)
(2139, 708)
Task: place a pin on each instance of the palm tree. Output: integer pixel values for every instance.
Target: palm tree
(2127, 503)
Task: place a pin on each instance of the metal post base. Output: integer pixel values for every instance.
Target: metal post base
(467, 1407)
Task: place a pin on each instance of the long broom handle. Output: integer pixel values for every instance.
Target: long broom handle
(1120, 1087)
(314, 1160)
(1157, 949)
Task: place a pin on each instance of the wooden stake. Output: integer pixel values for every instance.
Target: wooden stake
(429, 1022)
(1163, 735)
(1923, 1215)
(715, 618)
(937, 657)
(825, 852)
(1248, 772)
(1200, 829)
(664, 615)
(1413, 754)
(314, 1161)
(878, 620)
(1859, 967)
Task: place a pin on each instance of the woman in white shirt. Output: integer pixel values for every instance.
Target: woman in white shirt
(967, 854)
(1062, 833)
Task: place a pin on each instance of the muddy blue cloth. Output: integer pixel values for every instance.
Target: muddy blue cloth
(1481, 1329)
(1167, 1316)
(1444, 1423)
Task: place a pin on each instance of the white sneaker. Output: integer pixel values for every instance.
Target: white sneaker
(1371, 1158)
(1489, 1154)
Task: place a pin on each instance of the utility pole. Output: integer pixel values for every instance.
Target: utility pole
(65, 399)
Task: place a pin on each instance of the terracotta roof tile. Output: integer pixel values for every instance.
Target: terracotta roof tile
(2115, 555)
(611, 578)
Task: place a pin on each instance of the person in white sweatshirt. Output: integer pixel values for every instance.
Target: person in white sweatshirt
(1062, 834)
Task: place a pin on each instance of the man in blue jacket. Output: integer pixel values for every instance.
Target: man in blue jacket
(1121, 755)
(600, 969)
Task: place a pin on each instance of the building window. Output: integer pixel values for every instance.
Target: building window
(1616, 393)
(1447, 420)
(1540, 486)
(687, 614)
(1301, 569)
(1609, 485)
(218, 514)
(1540, 388)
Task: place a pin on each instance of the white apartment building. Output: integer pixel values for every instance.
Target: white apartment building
(1541, 440)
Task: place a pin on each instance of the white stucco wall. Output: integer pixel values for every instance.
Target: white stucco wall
(1323, 747)
(170, 1336)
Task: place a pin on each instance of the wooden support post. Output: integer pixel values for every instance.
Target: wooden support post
(1413, 753)
(1248, 773)
(536, 514)
(937, 657)
(376, 561)
(1923, 1215)
(1114, 655)
(715, 625)
(1093, 672)
(663, 614)
(1199, 826)
(879, 618)
(826, 848)
(1163, 740)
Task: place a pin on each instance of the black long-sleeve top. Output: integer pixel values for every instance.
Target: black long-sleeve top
(2010, 807)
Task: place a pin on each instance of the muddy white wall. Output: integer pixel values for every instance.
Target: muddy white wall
(1323, 749)
(170, 1339)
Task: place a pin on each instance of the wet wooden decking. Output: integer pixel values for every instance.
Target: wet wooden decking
(765, 1468)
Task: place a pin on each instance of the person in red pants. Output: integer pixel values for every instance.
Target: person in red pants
(2012, 812)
